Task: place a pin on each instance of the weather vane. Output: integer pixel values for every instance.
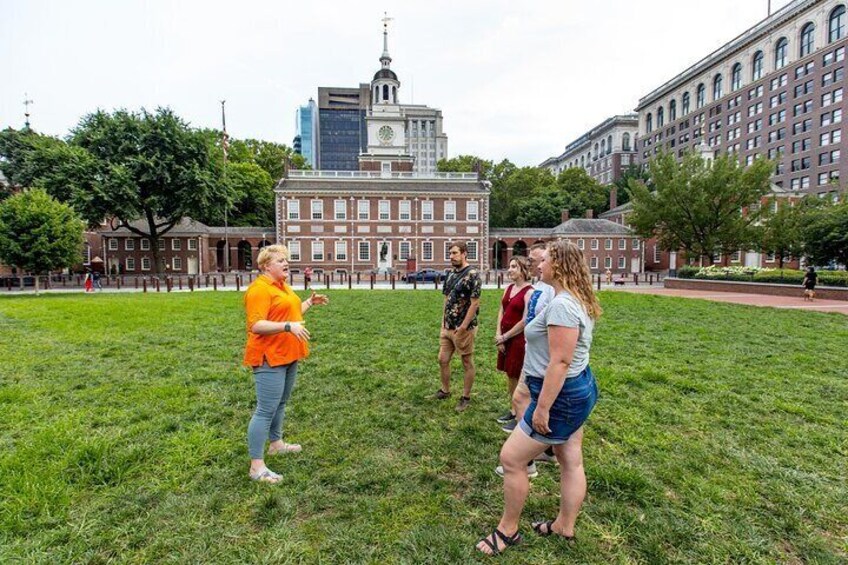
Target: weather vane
(386, 19)
(27, 102)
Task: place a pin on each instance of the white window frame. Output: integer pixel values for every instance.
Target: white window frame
(427, 250)
(176, 264)
(636, 245)
(340, 209)
(593, 262)
(145, 263)
(448, 246)
(427, 210)
(294, 250)
(192, 244)
(129, 244)
(113, 244)
(340, 250)
(176, 244)
(293, 209)
(384, 210)
(161, 244)
(608, 244)
(472, 211)
(129, 264)
(607, 262)
(363, 209)
(581, 244)
(317, 245)
(657, 254)
(319, 215)
(404, 250)
(450, 211)
(622, 262)
(472, 251)
(363, 245)
(144, 244)
(405, 210)
(595, 245)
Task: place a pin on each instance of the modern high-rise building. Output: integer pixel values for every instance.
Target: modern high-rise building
(306, 139)
(604, 152)
(356, 123)
(775, 91)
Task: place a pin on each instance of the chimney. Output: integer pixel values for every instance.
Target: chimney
(590, 214)
(613, 197)
(564, 216)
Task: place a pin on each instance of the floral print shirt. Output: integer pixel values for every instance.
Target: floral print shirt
(461, 287)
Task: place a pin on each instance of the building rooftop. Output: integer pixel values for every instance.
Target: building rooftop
(580, 226)
(346, 181)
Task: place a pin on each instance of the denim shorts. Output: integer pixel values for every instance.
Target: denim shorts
(570, 409)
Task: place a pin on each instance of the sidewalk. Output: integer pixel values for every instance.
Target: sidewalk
(787, 302)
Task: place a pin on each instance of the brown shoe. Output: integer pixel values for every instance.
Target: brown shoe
(441, 395)
(464, 401)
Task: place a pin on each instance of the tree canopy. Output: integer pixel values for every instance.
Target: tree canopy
(703, 208)
(38, 233)
(825, 233)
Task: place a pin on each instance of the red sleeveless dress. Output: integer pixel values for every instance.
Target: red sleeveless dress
(512, 360)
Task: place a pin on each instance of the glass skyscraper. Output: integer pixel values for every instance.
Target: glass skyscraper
(306, 139)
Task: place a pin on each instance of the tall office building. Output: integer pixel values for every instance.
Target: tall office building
(306, 139)
(775, 91)
(411, 132)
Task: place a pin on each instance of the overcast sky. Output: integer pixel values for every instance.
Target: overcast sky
(515, 80)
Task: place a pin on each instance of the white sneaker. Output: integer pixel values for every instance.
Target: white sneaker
(531, 470)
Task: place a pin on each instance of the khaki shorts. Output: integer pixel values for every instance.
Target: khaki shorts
(448, 342)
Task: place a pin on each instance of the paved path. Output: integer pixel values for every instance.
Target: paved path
(788, 302)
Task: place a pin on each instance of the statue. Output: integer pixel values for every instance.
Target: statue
(384, 250)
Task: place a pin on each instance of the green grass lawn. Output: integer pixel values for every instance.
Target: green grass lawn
(720, 436)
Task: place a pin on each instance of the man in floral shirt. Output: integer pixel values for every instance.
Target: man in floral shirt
(459, 322)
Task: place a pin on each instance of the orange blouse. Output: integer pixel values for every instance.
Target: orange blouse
(275, 302)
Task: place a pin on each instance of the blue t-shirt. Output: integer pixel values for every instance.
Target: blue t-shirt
(566, 311)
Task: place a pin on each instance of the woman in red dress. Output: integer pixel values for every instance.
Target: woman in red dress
(509, 336)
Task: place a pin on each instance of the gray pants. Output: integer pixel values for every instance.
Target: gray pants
(273, 388)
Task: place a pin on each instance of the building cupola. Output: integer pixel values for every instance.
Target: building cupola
(385, 86)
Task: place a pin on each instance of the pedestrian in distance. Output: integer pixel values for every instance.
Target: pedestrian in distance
(809, 283)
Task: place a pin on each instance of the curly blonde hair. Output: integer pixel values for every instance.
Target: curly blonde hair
(570, 269)
(523, 266)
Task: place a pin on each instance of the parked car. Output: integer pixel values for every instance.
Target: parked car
(425, 275)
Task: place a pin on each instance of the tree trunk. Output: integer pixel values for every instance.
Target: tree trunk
(36, 284)
(21, 277)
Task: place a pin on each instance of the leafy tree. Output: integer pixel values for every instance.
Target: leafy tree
(826, 234)
(696, 206)
(466, 164)
(543, 209)
(634, 173)
(583, 192)
(150, 166)
(252, 192)
(38, 234)
(781, 232)
(32, 160)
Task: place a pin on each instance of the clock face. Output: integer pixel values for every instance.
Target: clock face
(386, 134)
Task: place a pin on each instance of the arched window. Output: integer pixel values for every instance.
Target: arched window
(609, 144)
(672, 110)
(385, 93)
(736, 77)
(807, 39)
(394, 95)
(625, 142)
(757, 66)
(717, 91)
(649, 122)
(780, 50)
(660, 117)
(603, 147)
(596, 151)
(376, 94)
(684, 106)
(836, 24)
(701, 96)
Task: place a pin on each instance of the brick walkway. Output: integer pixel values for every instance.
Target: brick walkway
(788, 302)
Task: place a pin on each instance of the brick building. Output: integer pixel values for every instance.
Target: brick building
(605, 244)
(357, 221)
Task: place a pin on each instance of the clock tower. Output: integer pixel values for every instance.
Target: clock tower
(386, 151)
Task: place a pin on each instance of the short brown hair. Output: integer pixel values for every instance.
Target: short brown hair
(539, 245)
(461, 245)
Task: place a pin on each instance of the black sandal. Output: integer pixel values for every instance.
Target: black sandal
(549, 530)
(492, 541)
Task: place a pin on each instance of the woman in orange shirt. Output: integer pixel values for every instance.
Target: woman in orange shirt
(276, 341)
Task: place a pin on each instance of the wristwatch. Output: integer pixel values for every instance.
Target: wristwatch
(287, 327)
